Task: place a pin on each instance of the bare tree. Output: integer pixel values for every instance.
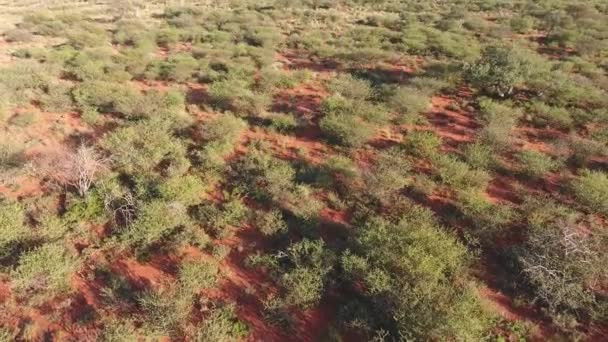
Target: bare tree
(77, 169)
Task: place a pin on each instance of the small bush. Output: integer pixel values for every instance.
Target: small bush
(156, 221)
(423, 144)
(459, 175)
(282, 123)
(142, 147)
(553, 116)
(12, 221)
(236, 96)
(409, 103)
(350, 87)
(343, 130)
(197, 275)
(499, 70)
(480, 156)
(389, 174)
(591, 189)
(24, 119)
(521, 24)
(185, 189)
(535, 164)
(499, 119)
(46, 269)
(271, 222)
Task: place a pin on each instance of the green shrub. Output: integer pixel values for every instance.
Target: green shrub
(185, 189)
(521, 24)
(499, 70)
(345, 131)
(222, 324)
(270, 222)
(140, 148)
(489, 219)
(25, 119)
(423, 144)
(553, 116)
(499, 119)
(582, 149)
(591, 189)
(14, 230)
(459, 175)
(167, 37)
(409, 103)
(236, 96)
(535, 164)
(155, 222)
(480, 156)
(107, 97)
(216, 218)
(117, 330)
(57, 98)
(305, 282)
(350, 87)
(45, 269)
(405, 293)
(390, 173)
(179, 67)
(11, 156)
(282, 123)
(220, 134)
(197, 275)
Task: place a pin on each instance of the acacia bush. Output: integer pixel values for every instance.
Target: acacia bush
(270, 222)
(558, 117)
(423, 144)
(404, 292)
(156, 221)
(389, 174)
(44, 272)
(409, 103)
(341, 130)
(499, 120)
(499, 70)
(480, 156)
(535, 164)
(458, 175)
(12, 219)
(237, 96)
(141, 147)
(591, 189)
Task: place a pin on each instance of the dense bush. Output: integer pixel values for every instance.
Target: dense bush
(12, 219)
(535, 164)
(409, 103)
(591, 189)
(237, 96)
(155, 222)
(44, 272)
(499, 120)
(458, 175)
(499, 70)
(140, 148)
(423, 144)
(344, 130)
(407, 291)
(480, 156)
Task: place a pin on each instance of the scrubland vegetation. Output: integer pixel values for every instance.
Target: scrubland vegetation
(313, 170)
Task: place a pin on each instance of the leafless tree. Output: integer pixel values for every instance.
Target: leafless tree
(78, 169)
